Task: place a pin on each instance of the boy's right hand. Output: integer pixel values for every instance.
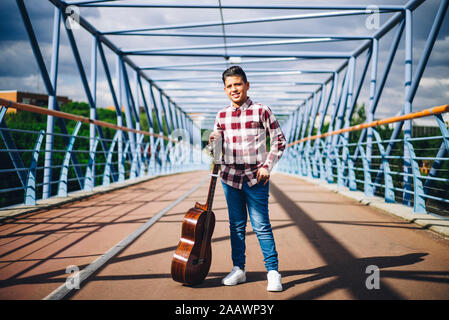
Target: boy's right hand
(214, 136)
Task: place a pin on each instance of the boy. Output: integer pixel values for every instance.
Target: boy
(241, 129)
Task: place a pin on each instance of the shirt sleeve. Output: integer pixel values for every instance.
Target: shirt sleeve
(277, 139)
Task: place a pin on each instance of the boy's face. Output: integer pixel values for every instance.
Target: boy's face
(236, 89)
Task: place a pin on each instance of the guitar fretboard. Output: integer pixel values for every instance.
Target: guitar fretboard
(213, 182)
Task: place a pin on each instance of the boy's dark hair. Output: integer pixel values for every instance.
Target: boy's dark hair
(234, 71)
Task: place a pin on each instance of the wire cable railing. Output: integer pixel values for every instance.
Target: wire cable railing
(413, 171)
(81, 162)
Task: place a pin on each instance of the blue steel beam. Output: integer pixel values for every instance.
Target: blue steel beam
(359, 86)
(382, 7)
(169, 109)
(88, 2)
(145, 104)
(247, 35)
(230, 45)
(408, 148)
(129, 98)
(156, 110)
(93, 142)
(165, 113)
(251, 75)
(52, 101)
(118, 111)
(221, 62)
(131, 116)
(249, 71)
(249, 21)
(264, 54)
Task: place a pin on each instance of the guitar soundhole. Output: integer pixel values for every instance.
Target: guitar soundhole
(198, 261)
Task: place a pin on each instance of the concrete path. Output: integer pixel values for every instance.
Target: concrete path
(329, 247)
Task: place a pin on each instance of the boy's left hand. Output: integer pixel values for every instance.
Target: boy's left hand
(263, 174)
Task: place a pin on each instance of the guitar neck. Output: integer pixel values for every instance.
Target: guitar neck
(213, 182)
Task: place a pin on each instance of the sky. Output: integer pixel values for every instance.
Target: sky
(19, 70)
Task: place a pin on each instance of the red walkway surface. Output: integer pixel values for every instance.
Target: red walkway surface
(325, 243)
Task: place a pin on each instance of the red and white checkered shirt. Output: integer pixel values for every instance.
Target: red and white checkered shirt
(243, 142)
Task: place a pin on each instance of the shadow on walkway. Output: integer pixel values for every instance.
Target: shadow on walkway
(345, 270)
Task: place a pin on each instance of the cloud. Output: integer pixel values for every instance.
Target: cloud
(11, 24)
(13, 64)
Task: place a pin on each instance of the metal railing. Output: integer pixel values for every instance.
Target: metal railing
(414, 171)
(82, 163)
(398, 164)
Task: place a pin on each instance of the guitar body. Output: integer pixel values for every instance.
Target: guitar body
(193, 256)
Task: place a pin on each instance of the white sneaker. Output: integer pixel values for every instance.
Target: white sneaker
(274, 281)
(236, 276)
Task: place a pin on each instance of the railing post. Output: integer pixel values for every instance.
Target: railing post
(107, 167)
(419, 203)
(442, 151)
(124, 155)
(90, 176)
(329, 176)
(30, 189)
(444, 131)
(63, 185)
(388, 180)
(146, 161)
(367, 185)
(350, 164)
(338, 158)
(321, 146)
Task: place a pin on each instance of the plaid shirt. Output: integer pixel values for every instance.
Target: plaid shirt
(243, 142)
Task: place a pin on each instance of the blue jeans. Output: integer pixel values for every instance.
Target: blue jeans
(254, 198)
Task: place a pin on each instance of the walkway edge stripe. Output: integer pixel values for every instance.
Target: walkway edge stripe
(63, 290)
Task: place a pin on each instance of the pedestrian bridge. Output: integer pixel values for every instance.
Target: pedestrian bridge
(92, 200)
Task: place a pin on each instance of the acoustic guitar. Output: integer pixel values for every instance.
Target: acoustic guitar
(193, 256)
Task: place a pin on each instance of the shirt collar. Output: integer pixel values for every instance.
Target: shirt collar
(244, 106)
